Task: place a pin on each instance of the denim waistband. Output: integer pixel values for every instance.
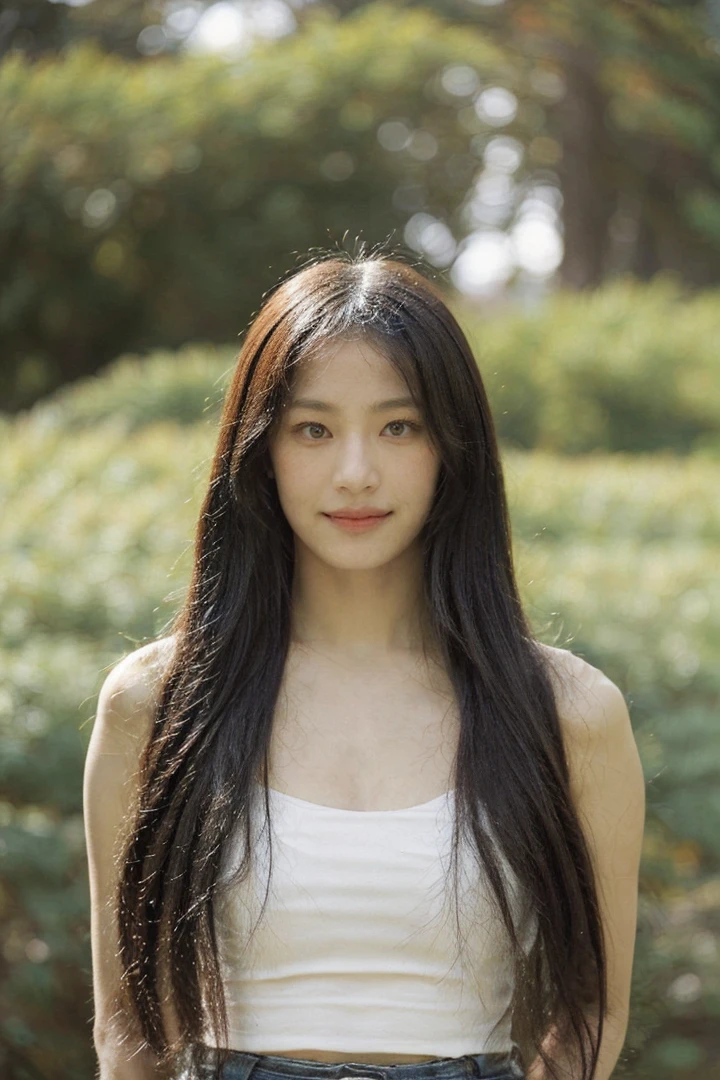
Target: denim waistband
(240, 1065)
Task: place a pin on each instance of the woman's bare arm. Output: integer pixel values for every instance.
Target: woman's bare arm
(122, 727)
(608, 789)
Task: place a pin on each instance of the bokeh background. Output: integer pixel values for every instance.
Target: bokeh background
(556, 167)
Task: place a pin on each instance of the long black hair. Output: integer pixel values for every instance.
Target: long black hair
(212, 724)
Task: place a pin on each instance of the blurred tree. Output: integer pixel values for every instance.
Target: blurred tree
(156, 208)
(39, 27)
(604, 117)
(632, 127)
(631, 93)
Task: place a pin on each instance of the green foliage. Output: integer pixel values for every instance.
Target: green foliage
(630, 366)
(154, 208)
(180, 386)
(615, 559)
(147, 201)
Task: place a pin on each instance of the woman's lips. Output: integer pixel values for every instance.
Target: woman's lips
(357, 524)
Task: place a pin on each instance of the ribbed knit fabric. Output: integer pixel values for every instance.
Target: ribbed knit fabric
(357, 949)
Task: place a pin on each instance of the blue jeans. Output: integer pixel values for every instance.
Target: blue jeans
(242, 1065)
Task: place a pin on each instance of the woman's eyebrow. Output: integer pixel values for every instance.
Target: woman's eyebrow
(324, 406)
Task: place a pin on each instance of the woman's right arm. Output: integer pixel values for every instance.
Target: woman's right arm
(122, 727)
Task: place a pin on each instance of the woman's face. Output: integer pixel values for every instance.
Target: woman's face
(352, 449)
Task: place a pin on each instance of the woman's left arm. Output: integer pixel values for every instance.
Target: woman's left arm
(608, 789)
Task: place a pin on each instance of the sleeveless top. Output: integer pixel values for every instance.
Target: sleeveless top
(357, 949)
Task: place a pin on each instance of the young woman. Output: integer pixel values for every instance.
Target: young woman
(349, 818)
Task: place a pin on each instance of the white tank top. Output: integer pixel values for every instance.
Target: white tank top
(357, 949)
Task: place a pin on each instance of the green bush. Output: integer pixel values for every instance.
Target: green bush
(631, 366)
(616, 560)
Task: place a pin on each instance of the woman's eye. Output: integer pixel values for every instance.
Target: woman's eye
(405, 423)
(393, 423)
(301, 427)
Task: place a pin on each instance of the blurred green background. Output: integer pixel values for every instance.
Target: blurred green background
(557, 168)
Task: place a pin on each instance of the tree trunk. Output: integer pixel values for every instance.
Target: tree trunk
(589, 202)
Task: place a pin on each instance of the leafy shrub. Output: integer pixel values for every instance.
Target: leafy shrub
(631, 366)
(616, 560)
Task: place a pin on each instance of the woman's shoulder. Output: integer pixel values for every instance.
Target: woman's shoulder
(592, 710)
(124, 720)
(132, 687)
(585, 696)
(568, 670)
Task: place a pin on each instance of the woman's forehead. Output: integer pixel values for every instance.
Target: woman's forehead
(335, 363)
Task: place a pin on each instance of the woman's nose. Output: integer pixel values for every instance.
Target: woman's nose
(356, 460)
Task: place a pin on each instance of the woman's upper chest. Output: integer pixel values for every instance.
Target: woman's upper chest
(368, 737)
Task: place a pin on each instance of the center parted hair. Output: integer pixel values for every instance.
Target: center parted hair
(212, 725)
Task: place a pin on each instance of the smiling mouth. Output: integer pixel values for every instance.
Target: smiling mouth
(358, 517)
